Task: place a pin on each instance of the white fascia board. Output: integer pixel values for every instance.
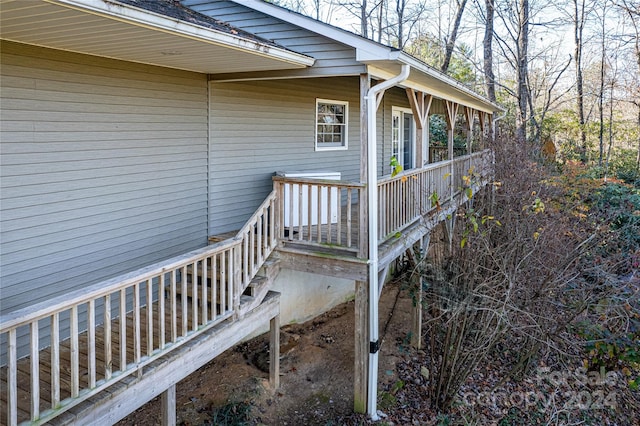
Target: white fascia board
(337, 34)
(144, 18)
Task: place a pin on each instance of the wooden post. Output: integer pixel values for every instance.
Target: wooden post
(416, 311)
(274, 352)
(168, 401)
(452, 112)
(361, 335)
(481, 117)
(361, 353)
(420, 105)
(469, 114)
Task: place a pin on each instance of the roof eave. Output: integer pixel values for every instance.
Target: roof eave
(145, 18)
(375, 59)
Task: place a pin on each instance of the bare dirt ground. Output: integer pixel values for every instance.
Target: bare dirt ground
(316, 383)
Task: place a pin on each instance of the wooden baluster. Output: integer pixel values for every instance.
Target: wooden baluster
(214, 286)
(55, 360)
(309, 211)
(75, 358)
(12, 379)
(223, 283)
(300, 210)
(174, 307)
(234, 276)
(339, 214)
(265, 232)
(349, 191)
(245, 264)
(319, 212)
(273, 209)
(259, 239)
(107, 338)
(194, 296)
(91, 350)
(136, 325)
(123, 329)
(35, 371)
(252, 253)
(205, 285)
(230, 280)
(150, 316)
(329, 191)
(184, 299)
(290, 201)
(161, 309)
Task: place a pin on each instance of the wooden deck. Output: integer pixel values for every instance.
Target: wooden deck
(148, 343)
(91, 357)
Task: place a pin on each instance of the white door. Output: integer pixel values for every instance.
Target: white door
(403, 137)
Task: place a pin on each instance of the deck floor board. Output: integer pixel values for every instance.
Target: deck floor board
(24, 364)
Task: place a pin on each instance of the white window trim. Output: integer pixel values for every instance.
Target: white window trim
(345, 145)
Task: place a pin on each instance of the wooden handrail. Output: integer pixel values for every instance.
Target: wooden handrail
(134, 292)
(62, 302)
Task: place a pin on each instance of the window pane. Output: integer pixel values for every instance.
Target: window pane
(331, 123)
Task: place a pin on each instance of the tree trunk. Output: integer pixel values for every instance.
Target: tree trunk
(364, 24)
(400, 8)
(601, 93)
(578, 21)
(488, 51)
(451, 40)
(489, 77)
(522, 70)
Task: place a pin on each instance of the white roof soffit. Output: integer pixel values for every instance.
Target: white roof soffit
(116, 30)
(428, 80)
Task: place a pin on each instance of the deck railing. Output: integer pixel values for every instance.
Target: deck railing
(98, 335)
(323, 212)
(318, 211)
(404, 198)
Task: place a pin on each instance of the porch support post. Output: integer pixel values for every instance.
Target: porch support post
(416, 310)
(469, 116)
(420, 105)
(274, 352)
(361, 354)
(481, 116)
(452, 112)
(168, 402)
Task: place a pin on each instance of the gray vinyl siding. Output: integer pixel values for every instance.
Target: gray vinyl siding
(332, 58)
(103, 169)
(262, 127)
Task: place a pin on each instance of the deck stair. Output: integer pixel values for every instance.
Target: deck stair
(260, 285)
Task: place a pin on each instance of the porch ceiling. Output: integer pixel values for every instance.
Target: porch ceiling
(430, 81)
(121, 31)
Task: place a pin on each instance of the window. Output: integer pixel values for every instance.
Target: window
(331, 124)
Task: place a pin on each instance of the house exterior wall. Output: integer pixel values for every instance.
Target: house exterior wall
(103, 170)
(262, 127)
(332, 58)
